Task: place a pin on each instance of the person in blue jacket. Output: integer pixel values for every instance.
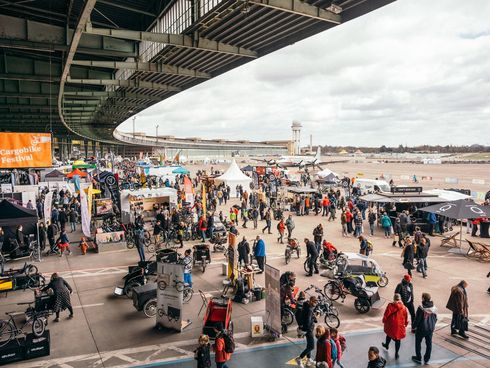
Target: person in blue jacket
(432, 220)
(259, 253)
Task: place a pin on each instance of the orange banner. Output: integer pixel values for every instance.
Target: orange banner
(19, 150)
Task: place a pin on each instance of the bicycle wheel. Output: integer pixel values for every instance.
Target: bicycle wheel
(305, 266)
(162, 285)
(31, 270)
(331, 320)
(7, 332)
(150, 308)
(332, 290)
(383, 281)
(179, 286)
(188, 293)
(150, 247)
(38, 326)
(129, 244)
(287, 317)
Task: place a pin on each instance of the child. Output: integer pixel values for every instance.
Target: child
(63, 243)
(202, 353)
(83, 245)
(340, 343)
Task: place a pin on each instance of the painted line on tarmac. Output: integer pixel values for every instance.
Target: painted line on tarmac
(88, 305)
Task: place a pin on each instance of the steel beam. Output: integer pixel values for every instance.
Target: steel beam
(145, 67)
(177, 40)
(299, 7)
(108, 94)
(30, 77)
(26, 95)
(82, 22)
(30, 35)
(130, 83)
(125, 7)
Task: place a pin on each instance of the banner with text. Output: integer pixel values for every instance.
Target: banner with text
(273, 301)
(19, 150)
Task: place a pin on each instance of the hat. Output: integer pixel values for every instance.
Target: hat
(407, 278)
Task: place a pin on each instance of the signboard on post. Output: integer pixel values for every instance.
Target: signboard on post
(19, 150)
(273, 301)
(406, 189)
(170, 285)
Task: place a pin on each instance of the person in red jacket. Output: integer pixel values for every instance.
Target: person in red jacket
(348, 218)
(323, 347)
(395, 322)
(221, 356)
(203, 227)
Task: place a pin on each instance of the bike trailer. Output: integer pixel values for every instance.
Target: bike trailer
(143, 293)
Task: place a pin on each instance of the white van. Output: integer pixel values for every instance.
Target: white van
(368, 185)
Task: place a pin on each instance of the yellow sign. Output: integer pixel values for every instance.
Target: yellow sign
(19, 150)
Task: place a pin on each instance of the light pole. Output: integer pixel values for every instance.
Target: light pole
(134, 119)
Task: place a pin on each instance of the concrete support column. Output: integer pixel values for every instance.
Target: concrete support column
(85, 146)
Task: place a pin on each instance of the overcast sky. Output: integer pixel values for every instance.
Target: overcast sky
(413, 72)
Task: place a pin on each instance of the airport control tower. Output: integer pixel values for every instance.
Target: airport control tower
(296, 128)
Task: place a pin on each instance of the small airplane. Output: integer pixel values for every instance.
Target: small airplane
(298, 161)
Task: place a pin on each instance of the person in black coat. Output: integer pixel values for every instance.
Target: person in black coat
(243, 252)
(62, 291)
(312, 255)
(308, 321)
(375, 361)
(203, 352)
(424, 326)
(51, 232)
(42, 236)
(62, 218)
(408, 256)
(405, 289)
(19, 236)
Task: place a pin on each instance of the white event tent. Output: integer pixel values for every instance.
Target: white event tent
(232, 177)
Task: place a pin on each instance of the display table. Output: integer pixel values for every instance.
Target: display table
(110, 241)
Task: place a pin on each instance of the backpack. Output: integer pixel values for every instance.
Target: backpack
(333, 346)
(370, 245)
(229, 343)
(343, 343)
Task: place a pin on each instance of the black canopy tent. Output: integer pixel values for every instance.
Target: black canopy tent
(13, 215)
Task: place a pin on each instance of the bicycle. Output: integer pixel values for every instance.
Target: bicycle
(292, 246)
(324, 308)
(180, 286)
(306, 264)
(34, 252)
(9, 329)
(349, 284)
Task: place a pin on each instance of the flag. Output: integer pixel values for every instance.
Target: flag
(90, 196)
(48, 206)
(189, 195)
(85, 214)
(203, 193)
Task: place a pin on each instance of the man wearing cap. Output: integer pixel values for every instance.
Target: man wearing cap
(405, 289)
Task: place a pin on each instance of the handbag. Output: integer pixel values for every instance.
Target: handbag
(463, 324)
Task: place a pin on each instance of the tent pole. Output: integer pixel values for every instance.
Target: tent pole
(38, 244)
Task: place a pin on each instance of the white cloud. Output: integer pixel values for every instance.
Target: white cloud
(413, 72)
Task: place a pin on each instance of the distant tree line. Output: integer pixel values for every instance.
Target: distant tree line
(405, 149)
